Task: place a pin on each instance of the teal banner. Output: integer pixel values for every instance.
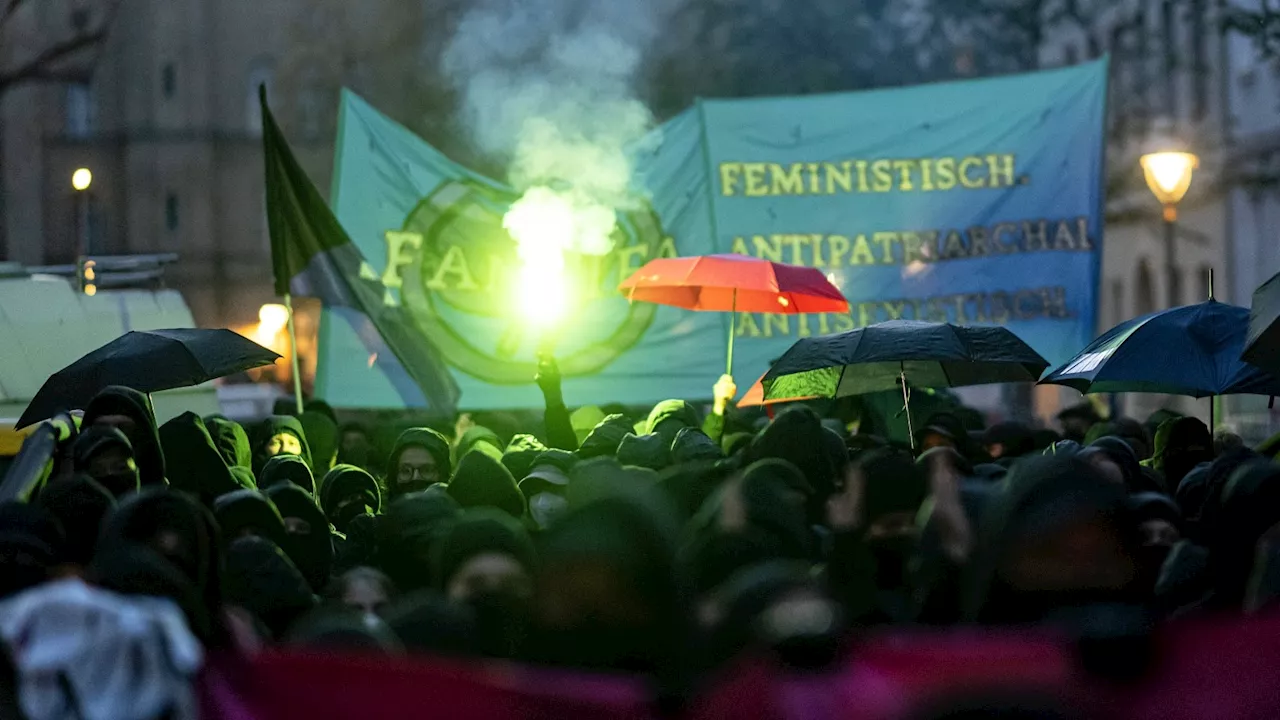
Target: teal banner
(975, 202)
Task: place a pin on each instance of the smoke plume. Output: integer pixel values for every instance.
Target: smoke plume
(548, 88)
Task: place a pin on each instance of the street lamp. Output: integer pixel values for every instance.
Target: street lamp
(81, 179)
(1168, 172)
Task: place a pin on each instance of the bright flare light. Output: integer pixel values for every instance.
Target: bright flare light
(81, 179)
(545, 224)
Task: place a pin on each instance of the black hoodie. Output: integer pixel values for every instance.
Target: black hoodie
(406, 533)
(348, 482)
(482, 481)
(427, 439)
(82, 506)
(231, 440)
(322, 437)
(196, 465)
(797, 437)
(268, 429)
(95, 440)
(180, 529)
(144, 436)
(1250, 507)
(287, 469)
(249, 512)
(1044, 494)
(1181, 444)
(311, 550)
(262, 580)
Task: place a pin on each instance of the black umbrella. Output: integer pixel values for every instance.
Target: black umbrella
(898, 354)
(1262, 347)
(148, 362)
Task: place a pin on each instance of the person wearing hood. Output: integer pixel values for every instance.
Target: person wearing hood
(287, 470)
(605, 437)
(130, 412)
(607, 596)
(1160, 526)
(231, 440)
(1005, 442)
(1248, 517)
(669, 417)
(419, 460)
(197, 466)
(545, 486)
(485, 559)
(131, 568)
(279, 435)
(249, 512)
(1058, 539)
(263, 581)
(81, 505)
(796, 436)
(308, 541)
(322, 437)
(355, 447)
(348, 492)
(520, 453)
(406, 533)
(479, 439)
(31, 546)
(1115, 458)
(693, 445)
(894, 487)
(1181, 444)
(182, 531)
(104, 454)
(481, 481)
(651, 451)
(1129, 430)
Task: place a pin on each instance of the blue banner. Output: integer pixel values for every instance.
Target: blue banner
(974, 202)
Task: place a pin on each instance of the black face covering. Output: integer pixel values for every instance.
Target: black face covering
(1150, 559)
(892, 555)
(502, 622)
(119, 484)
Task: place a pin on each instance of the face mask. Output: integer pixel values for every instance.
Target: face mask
(546, 508)
(119, 484)
(892, 555)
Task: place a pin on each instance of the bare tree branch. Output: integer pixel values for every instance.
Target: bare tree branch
(36, 66)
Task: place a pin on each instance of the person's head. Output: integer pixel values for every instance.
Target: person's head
(1181, 444)
(246, 513)
(262, 580)
(231, 440)
(31, 546)
(1007, 440)
(1159, 523)
(177, 527)
(482, 481)
(1248, 516)
(363, 590)
(1076, 421)
(797, 436)
(546, 484)
(81, 505)
(287, 469)
(419, 460)
(895, 486)
(104, 454)
(130, 412)
(307, 541)
(669, 417)
(484, 552)
(406, 534)
(198, 467)
(279, 435)
(605, 437)
(347, 492)
(1060, 536)
(351, 437)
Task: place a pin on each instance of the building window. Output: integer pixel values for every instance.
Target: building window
(78, 120)
(1144, 290)
(171, 211)
(168, 80)
(260, 74)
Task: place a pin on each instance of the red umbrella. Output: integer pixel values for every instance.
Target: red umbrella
(734, 284)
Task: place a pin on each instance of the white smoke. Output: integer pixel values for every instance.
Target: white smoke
(548, 87)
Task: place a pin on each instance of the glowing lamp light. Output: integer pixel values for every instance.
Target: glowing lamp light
(81, 179)
(1168, 175)
(272, 318)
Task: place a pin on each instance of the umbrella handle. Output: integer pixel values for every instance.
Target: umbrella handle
(906, 403)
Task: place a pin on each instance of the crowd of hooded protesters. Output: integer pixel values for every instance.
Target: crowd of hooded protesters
(665, 545)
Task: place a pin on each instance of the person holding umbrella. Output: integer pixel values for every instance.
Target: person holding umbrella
(130, 412)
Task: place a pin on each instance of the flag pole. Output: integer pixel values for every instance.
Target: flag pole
(293, 346)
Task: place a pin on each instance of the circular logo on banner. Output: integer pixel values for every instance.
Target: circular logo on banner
(459, 292)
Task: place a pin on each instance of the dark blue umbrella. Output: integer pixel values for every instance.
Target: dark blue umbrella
(1262, 348)
(899, 354)
(1193, 350)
